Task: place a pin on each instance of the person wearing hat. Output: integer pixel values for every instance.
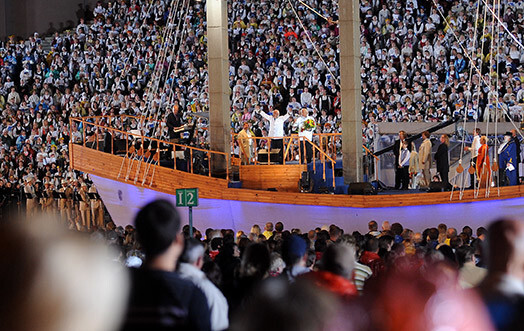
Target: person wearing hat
(97, 211)
(508, 161)
(32, 202)
(62, 203)
(47, 200)
(85, 213)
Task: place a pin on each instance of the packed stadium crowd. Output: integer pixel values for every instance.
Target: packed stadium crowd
(415, 67)
(390, 278)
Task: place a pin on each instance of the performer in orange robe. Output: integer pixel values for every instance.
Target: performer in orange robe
(483, 164)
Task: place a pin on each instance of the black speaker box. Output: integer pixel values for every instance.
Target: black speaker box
(364, 188)
(437, 187)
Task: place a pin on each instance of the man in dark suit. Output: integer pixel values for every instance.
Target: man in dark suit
(173, 121)
(516, 140)
(442, 160)
(396, 150)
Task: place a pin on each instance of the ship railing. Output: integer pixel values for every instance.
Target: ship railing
(90, 131)
(293, 148)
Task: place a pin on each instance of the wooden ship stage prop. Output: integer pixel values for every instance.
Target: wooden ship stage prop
(131, 158)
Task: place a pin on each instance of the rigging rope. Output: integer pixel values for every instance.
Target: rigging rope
(312, 43)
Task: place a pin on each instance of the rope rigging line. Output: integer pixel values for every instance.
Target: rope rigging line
(497, 113)
(156, 76)
(491, 95)
(470, 60)
(503, 25)
(178, 37)
(126, 62)
(313, 44)
(175, 42)
(470, 96)
(316, 12)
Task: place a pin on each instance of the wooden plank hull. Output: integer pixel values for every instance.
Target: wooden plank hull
(168, 180)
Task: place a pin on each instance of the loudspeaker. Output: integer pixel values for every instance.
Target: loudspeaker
(436, 187)
(363, 188)
(306, 183)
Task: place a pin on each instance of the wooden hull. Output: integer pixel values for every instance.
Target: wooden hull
(168, 180)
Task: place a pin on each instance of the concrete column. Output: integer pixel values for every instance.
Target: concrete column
(219, 91)
(349, 24)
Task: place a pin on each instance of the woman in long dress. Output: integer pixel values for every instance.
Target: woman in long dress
(483, 164)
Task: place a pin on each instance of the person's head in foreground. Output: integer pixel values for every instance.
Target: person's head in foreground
(52, 280)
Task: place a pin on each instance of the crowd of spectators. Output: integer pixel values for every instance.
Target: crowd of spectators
(416, 61)
(413, 69)
(388, 278)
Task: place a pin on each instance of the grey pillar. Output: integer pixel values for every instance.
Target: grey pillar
(349, 24)
(218, 65)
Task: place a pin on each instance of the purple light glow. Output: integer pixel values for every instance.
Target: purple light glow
(123, 201)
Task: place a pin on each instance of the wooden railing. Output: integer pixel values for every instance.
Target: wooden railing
(128, 137)
(291, 153)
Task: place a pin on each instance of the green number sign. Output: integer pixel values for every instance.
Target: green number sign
(187, 197)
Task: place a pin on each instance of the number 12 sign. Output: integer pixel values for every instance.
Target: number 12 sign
(187, 197)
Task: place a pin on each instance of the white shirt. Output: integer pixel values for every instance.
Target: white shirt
(304, 133)
(215, 299)
(276, 126)
(475, 146)
(404, 157)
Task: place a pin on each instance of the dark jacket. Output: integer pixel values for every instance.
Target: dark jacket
(396, 151)
(161, 300)
(173, 121)
(441, 157)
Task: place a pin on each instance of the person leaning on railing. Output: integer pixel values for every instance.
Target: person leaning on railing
(246, 143)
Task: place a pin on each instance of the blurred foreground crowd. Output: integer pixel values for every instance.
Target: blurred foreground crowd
(390, 278)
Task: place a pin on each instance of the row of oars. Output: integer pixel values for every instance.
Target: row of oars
(138, 155)
(471, 171)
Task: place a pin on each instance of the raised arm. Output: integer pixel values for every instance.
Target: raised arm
(264, 115)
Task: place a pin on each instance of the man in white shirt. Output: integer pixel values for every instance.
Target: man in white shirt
(307, 133)
(403, 165)
(474, 149)
(276, 130)
(191, 262)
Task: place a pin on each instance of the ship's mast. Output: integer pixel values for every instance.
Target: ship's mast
(349, 25)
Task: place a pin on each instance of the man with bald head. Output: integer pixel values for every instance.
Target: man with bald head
(276, 130)
(503, 287)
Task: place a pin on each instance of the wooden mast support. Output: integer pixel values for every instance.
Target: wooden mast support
(349, 25)
(219, 92)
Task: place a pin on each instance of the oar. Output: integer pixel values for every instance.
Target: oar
(148, 165)
(146, 156)
(130, 167)
(156, 159)
(131, 150)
